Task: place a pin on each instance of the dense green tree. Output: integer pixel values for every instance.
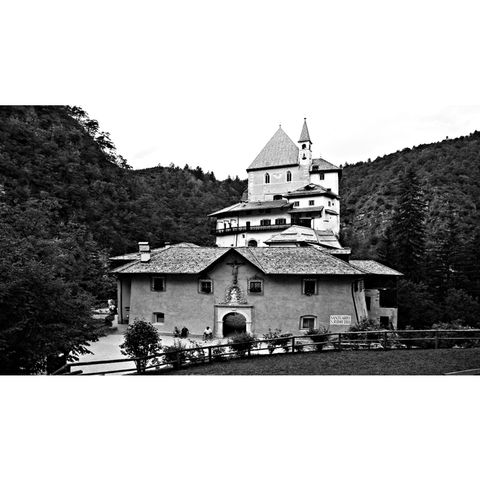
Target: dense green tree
(44, 309)
(407, 230)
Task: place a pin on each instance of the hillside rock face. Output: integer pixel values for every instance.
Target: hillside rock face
(449, 172)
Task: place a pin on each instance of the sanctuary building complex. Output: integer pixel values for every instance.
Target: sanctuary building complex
(278, 262)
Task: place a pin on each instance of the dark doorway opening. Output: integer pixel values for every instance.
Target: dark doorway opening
(233, 324)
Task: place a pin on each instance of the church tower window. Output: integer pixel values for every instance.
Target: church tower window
(289, 176)
(267, 178)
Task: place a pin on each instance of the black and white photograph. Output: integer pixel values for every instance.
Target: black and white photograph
(264, 214)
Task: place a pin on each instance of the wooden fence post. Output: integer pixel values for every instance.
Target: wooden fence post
(385, 340)
(210, 354)
(293, 344)
(339, 342)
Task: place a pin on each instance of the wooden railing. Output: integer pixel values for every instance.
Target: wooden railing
(321, 342)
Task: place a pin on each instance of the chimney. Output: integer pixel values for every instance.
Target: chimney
(144, 250)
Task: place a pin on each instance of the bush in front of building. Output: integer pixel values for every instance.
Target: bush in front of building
(141, 340)
(277, 339)
(319, 336)
(176, 354)
(242, 343)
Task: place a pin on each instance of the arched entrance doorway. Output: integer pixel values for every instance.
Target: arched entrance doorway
(233, 324)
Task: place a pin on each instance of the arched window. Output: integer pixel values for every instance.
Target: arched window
(252, 243)
(267, 178)
(289, 176)
(277, 197)
(304, 146)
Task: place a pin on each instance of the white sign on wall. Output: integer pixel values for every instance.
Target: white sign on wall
(340, 319)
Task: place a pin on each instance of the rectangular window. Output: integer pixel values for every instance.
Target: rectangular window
(309, 286)
(205, 286)
(368, 300)
(296, 204)
(158, 284)
(265, 222)
(255, 286)
(280, 221)
(159, 317)
(322, 176)
(311, 202)
(385, 322)
(307, 323)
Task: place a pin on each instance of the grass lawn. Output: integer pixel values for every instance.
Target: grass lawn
(391, 362)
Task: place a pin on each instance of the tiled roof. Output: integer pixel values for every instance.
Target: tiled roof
(310, 190)
(328, 238)
(249, 206)
(305, 136)
(280, 151)
(176, 260)
(321, 165)
(298, 261)
(374, 268)
(270, 260)
(154, 251)
(295, 234)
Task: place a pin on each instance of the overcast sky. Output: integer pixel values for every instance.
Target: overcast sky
(207, 82)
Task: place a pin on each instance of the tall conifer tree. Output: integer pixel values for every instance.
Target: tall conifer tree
(407, 229)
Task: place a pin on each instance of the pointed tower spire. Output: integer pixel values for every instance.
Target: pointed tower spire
(305, 152)
(305, 136)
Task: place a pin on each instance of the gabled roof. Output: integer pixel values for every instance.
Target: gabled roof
(294, 234)
(328, 238)
(311, 260)
(270, 260)
(321, 165)
(304, 136)
(372, 267)
(154, 251)
(280, 151)
(176, 259)
(310, 190)
(249, 206)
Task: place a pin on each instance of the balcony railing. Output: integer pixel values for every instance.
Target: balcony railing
(253, 228)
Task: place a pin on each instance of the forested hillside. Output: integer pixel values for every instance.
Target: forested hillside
(67, 202)
(449, 177)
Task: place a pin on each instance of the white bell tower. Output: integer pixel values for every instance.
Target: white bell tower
(305, 145)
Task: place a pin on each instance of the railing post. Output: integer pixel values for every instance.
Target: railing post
(436, 339)
(178, 359)
(385, 340)
(210, 354)
(339, 342)
(293, 344)
(249, 349)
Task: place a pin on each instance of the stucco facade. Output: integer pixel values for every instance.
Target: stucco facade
(281, 304)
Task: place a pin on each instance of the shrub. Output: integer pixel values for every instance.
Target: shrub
(197, 356)
(242, 343)
(319, 336)
(175, 354)
(140, 340)
(218, 353)
(277, 340)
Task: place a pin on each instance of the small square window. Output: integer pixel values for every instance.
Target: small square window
(159, 317)
(158, 284)
(309, 287)
(296, 204)
(311, 202)
(205, 286)
(307, 323)
(280, 221)
(255, 286)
